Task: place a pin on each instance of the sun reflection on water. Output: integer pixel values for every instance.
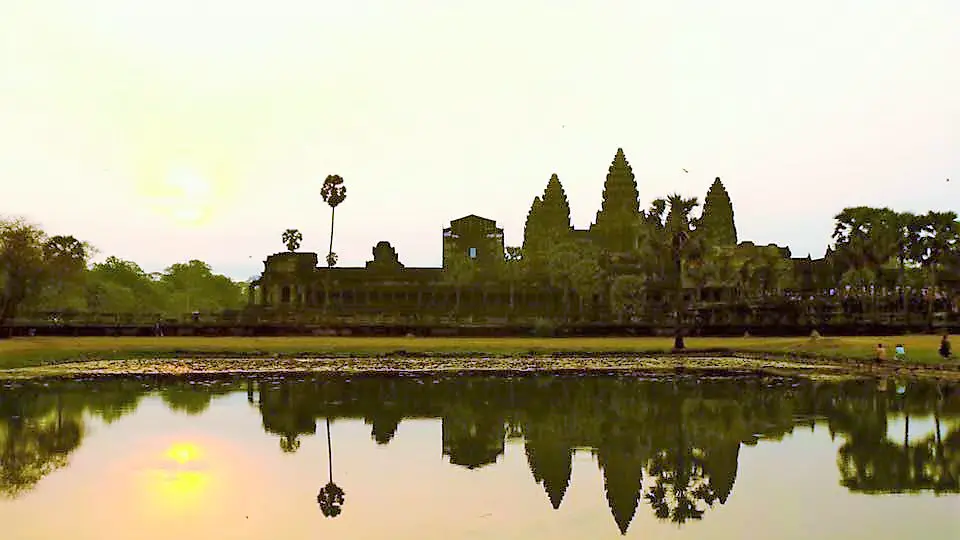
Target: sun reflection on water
(181, 482)
(183, 452)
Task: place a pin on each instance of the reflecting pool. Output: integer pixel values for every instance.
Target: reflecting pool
(478, 457)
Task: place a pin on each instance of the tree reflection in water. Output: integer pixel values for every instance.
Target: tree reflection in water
(671, 446)
(331, 496)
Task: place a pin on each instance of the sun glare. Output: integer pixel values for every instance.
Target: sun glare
(183, 452)
(185, 195)
(181, 481)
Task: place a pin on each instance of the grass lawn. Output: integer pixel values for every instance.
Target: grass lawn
(25, 352)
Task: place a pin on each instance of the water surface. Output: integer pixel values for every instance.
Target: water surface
(436, 458)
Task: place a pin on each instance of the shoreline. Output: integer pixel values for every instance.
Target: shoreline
(42, 357)
(706, 364)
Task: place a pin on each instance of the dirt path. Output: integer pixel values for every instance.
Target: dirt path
(705, 365)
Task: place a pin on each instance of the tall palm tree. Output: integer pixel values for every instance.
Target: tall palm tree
(650, 242)
(683, 247)
(907, 234)
(334, 193)
(331, 496)
(866, 238)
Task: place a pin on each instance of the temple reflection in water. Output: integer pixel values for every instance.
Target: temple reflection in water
(670, 446)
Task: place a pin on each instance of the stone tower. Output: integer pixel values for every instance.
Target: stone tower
(615, 229)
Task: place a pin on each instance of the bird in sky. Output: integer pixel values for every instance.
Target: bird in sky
(686, 171)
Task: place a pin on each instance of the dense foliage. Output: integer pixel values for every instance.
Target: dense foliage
(39, 273)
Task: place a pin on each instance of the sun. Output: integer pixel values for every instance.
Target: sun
(185, 195)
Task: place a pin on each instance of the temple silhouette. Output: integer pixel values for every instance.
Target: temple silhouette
(607, 273)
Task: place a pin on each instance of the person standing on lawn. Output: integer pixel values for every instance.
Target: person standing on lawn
(881, 353)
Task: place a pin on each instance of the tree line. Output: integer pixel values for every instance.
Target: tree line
(44, 273)
(624, 264)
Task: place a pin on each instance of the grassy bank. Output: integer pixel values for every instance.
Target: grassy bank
(27, 352)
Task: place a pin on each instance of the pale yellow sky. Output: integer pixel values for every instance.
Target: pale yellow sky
(167, 130)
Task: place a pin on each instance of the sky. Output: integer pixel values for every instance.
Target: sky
(167, 130)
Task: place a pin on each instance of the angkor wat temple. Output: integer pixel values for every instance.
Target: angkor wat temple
(617, 271)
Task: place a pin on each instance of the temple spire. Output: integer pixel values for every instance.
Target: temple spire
(615, 226)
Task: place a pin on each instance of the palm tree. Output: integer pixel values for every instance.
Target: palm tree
(907, 234)
(650, 241)
(292, 238)
(683, 246)
(866, 238)
(334, 193)
(331, 496)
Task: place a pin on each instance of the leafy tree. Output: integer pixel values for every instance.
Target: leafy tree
(586, 274)
(561, 260)
(865, 239)
(627, 296)
(65, 263)
(292, 239)
(938, 241)
(460, 272)
(615, 226)
(727, 261)
(30, 262)
(575, 266)
(119, 286)
(193, 286)
(334, 193)
(768, 267)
